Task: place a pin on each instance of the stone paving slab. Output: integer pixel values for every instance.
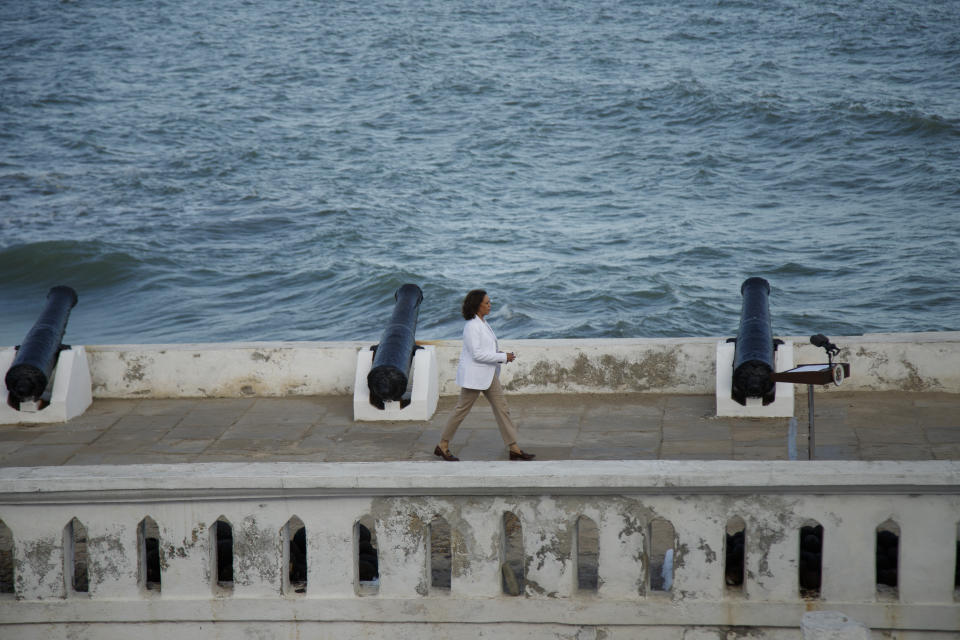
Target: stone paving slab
(849, 426)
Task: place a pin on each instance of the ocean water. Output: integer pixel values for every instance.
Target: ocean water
(274, 170)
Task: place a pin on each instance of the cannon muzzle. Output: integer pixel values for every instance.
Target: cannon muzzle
(753, 359)
(36, 357)
(390, 371)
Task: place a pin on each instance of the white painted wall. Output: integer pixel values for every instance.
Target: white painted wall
(773, 498)
(918, 362)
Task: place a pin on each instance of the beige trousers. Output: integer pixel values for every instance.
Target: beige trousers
(494, 394)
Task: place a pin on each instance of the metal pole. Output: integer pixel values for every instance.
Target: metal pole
(811, 443)
(792, 439)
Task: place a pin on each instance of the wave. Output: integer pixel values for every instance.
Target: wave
(79, 264)
(894, 120)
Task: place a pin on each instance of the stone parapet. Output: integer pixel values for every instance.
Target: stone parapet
(612, 549)
(918, 362)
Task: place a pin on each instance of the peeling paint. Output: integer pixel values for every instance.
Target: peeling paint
(38, 560)
(135, 371)
(405, 523)
(533, 588)
(416, 530)
(171, 550)
(558, 543)
(459, 557)
(632, 526)
(914, 382)
(680, 555)
(255, 553)
(760, 543)
(654, 370)
(881, 367)
(635, 516)
(710, 556)
(111, 557)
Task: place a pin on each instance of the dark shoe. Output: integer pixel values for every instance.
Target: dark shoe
(522, 455)
(446, 455)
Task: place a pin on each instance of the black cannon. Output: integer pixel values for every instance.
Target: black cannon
(753, 356)
(392, 357)
(36, 357)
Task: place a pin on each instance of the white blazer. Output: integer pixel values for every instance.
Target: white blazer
(479, 358)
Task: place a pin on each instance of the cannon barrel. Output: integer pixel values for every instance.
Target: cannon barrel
(36, 357)
(388, 376)
(753, 357)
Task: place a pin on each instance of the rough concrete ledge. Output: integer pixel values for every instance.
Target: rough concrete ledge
(571, 477)
(918, 362)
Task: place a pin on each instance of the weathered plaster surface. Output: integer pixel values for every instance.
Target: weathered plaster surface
(901, 362)
(112, 554)
(39, 562)
(773, 499)
(223, 370)
(650, 371)
(255, 551)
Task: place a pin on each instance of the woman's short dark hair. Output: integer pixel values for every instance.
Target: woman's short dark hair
(472, 302)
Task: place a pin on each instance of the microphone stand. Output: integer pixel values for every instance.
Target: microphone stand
(831, 350)
(811, 444)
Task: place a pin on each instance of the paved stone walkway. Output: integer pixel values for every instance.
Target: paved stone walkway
(849, 426)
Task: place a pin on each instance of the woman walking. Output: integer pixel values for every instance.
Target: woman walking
(479, 372)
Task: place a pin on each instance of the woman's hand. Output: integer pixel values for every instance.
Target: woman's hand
(511, 356)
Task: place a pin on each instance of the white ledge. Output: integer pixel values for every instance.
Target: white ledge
(578, 477)
(920, 362)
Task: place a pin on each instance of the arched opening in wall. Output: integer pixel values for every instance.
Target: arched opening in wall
(440, 554)
(512, 565)
(588, 555)
(75, 557)
(734, 554)
(294, 536)
(810, 564)
(956, 568)
(6, 560)
(221, 537)
(148, 539)
(888, 560)
(662, 552)
(368, 563)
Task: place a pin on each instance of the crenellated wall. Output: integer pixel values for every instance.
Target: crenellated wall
(903, 362)
(592, 550)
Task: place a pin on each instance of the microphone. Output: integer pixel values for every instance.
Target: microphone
(820, 340)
